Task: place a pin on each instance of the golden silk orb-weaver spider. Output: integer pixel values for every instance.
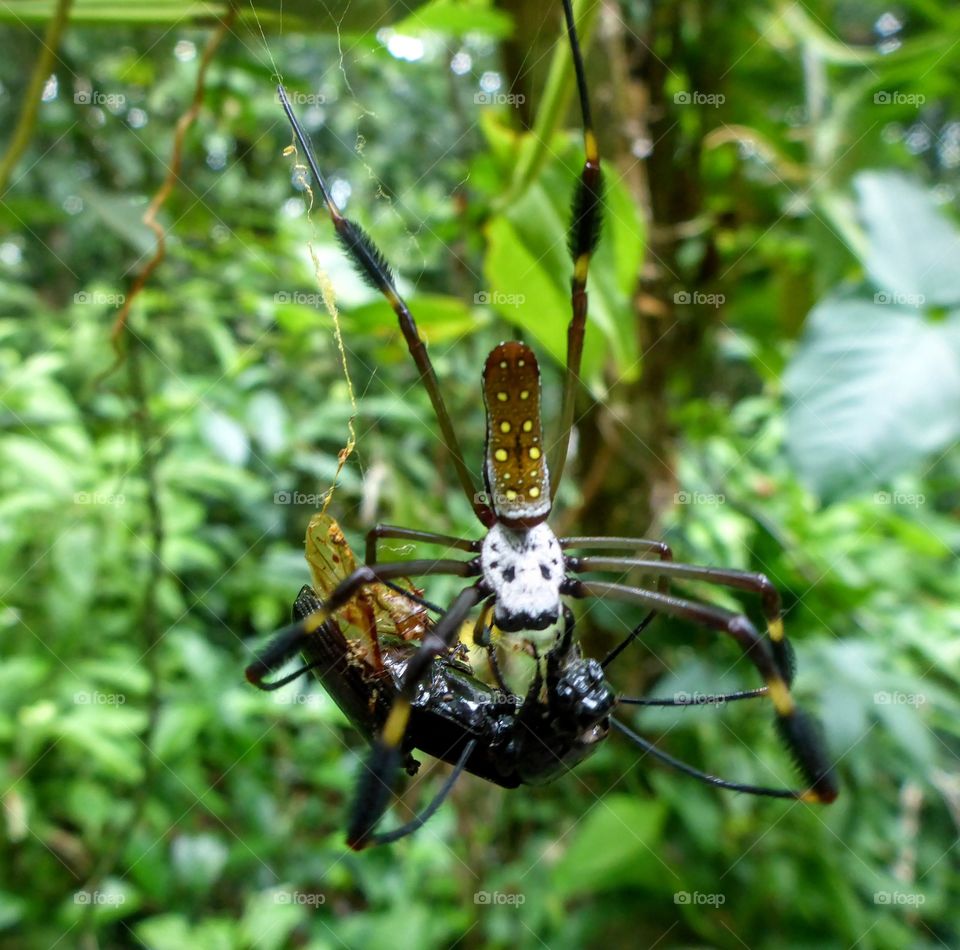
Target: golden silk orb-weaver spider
(522, 571)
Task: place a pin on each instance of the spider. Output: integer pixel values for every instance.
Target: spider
(456, 717)
(522, 571)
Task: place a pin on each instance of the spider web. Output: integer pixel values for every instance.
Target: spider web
(301, 174)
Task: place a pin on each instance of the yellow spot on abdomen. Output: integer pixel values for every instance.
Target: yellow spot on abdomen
(503, 397)
(534, 453)
(504, 427)
(500, 455)
(534, 492)
(528, 425)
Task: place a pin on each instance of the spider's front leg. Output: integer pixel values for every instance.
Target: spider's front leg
(376, 780)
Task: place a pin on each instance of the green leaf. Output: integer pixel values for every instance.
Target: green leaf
(873, 389)
(913, 248)
(616, 843)
(528, 268)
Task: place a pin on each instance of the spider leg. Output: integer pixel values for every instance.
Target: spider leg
(372, 266)
(413, 534)
(722, 577)
(660, 548)
(801, 733)
(705, 777)
(587, 217)
(289, 640)
(714, 699)
(377, 778)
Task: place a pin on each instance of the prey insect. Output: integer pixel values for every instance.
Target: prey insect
(521, 571)
(361, 658)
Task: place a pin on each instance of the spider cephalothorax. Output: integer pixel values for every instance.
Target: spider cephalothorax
(520, 567)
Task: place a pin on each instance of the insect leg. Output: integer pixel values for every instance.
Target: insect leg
(289, 640)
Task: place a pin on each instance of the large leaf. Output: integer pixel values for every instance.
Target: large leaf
(873, 389)
(528, 268)
(616, 844)
(913, 248)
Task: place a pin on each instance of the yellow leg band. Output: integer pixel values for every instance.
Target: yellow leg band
(776, 630)
(581, 268)
(590, 146)
(782, 700)
(396, 724)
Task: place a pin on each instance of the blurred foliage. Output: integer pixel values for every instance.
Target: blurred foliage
(789, 160)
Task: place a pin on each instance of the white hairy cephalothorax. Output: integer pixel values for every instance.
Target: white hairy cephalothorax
(524, 569)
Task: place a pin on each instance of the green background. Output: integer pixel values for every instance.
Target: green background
(772, 382)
